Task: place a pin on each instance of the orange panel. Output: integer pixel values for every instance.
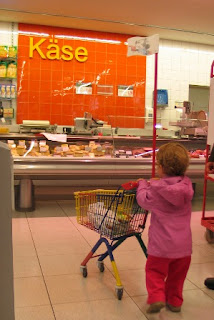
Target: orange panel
(122, 59)
(67, 99)
(56, 119)
(47, 87)
(34, 64)
(90, 67)
(121, 72)
(120, 101)
(100, 47)
(90, 46)
(67, 109)
(121, 80)
(129, 111)
(45, 108)
(112, 48)
(35, 116)
(131, 70)
(67, 120)
(132, 61)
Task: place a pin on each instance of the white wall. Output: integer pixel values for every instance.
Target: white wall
(8, 33)
(179, 64)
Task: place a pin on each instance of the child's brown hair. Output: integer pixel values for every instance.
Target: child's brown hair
(174, 159)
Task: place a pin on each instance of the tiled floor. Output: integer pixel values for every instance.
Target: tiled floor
(49, 246)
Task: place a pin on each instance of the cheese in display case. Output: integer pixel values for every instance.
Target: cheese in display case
(43, 149)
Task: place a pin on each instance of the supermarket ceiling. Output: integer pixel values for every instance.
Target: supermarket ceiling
(184, 20)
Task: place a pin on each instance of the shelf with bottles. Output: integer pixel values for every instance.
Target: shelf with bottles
(8, 70)
(8, 52)
(7, 92)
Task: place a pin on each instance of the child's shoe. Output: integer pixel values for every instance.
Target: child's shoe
(173, 308)
(155, 307)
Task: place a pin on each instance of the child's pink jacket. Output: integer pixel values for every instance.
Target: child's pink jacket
(169, 200)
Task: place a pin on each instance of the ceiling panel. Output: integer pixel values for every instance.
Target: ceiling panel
(184, 20)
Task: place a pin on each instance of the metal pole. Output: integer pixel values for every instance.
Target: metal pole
(155, 114)
(205, 185)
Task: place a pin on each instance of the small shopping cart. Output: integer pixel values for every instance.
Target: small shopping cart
(116, 216)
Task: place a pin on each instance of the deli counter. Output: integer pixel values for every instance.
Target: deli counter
(126, 157)
(110, 160)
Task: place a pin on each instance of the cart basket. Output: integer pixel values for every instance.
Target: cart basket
(111, 213)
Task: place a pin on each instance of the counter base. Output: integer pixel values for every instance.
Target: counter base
(25, 196)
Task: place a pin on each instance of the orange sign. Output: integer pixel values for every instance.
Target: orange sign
(54, 52)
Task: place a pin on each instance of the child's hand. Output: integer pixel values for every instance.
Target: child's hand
(140, 179)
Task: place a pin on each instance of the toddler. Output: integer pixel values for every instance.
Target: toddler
(170, 241)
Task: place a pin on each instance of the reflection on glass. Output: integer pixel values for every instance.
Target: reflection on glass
(83, 88)
(125, 91)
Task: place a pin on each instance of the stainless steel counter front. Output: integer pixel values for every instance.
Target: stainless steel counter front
(96, 168)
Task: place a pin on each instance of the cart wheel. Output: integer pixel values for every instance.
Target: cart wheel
(209, 235)
(119, 293)
(84, 271)
(101, 266)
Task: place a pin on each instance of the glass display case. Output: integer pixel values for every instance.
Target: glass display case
(93, 147)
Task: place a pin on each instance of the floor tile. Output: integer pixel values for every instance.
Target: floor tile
(20, 227)
(26, 267)
(65, 264)
(30, 292)
(53, 236)
(199, 272)
(209, 292)
(113, 309)
(70, 288)
(46, 209)
(34, 313)
(23, 248)
(203, 253)
(22, 238)
(63, 247)
(133, 281)
(45, 223)
(68, 206)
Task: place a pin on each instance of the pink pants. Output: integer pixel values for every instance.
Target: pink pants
(165, 278)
